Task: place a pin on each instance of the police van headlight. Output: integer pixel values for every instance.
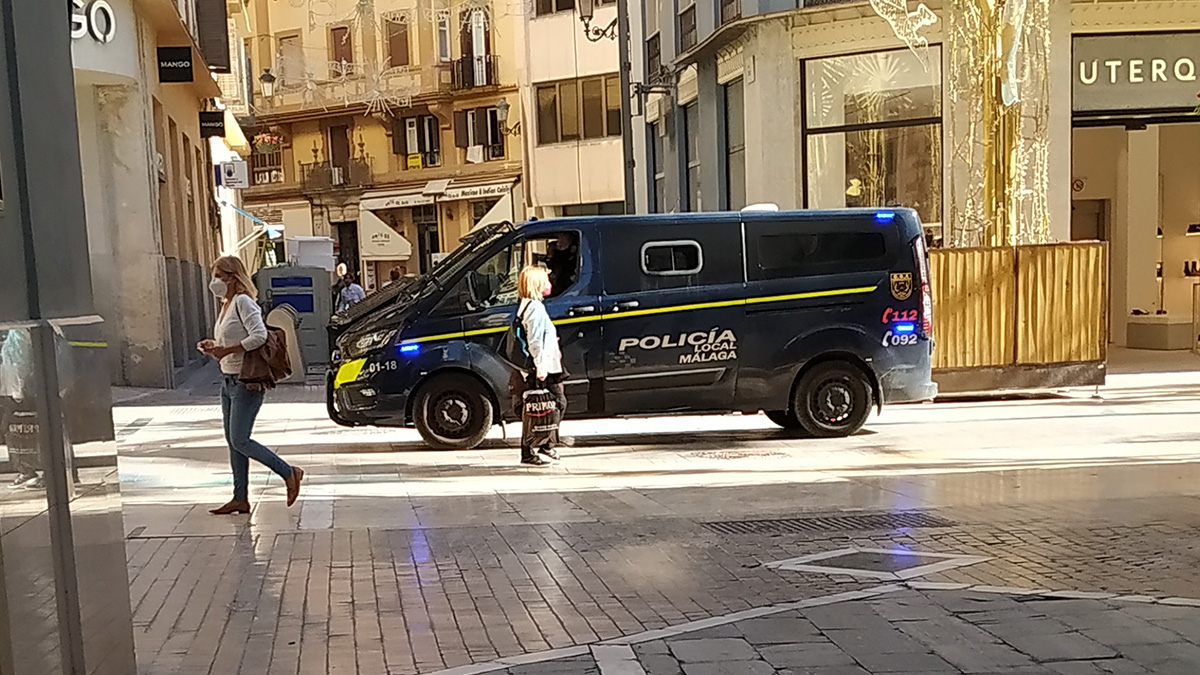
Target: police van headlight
(371, 341)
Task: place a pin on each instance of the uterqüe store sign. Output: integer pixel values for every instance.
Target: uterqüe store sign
(1136, 72)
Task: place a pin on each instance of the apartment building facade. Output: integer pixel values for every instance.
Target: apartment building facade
(386, 125)
(571, 99)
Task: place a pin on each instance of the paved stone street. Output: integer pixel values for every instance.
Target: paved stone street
(910, 630)
(940, 540)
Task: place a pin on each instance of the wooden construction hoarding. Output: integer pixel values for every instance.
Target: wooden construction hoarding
(1025, 317)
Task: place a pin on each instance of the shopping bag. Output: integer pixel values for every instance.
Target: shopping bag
(539, 419)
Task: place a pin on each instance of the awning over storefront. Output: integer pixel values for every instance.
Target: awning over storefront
(446, 190)
(378, 241)
(234, 138)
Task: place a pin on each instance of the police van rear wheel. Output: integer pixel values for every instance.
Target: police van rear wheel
(452, 412)
(833, 399)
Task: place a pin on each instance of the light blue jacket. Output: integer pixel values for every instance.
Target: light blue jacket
(542, 338)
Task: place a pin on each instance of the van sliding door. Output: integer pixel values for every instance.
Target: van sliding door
(672, 315)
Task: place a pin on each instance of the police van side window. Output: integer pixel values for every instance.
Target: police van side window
(795, 254)
(672, 258)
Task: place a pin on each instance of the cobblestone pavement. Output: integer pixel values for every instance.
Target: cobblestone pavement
(401, 560)
(914, 630)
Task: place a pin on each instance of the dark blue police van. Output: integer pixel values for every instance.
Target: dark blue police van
(814, 317)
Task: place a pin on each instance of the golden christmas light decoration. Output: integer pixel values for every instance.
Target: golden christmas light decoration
(998, 121)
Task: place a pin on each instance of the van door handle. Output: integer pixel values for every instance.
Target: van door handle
(627, 305)
(581, 310)
(493, 320)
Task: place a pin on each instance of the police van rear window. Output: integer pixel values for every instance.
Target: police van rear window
(798, 254)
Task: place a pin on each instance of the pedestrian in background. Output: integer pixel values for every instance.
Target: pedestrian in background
(542, 341)
(393, 276)
(339, 285)
(240, 329)
(352, 294)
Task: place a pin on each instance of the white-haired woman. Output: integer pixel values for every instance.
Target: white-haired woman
(240, 329)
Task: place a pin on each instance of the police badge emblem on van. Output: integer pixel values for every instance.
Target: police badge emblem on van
(902, 285)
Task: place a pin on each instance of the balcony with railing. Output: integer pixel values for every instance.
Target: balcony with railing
(471, 72)
(329, 176)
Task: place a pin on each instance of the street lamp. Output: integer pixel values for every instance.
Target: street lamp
(587, 12)
(268, 83)
(502, 109)
(617, 30)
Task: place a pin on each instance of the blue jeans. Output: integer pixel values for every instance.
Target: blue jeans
(239, 409)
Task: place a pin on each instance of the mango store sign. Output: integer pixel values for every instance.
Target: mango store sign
(1135, 72)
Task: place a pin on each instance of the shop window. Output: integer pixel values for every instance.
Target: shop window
(873, 131)
(575, 110)
(398, 48)
(735, 145)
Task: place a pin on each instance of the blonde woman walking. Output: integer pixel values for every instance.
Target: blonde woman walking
(240, 329)
(542, 340)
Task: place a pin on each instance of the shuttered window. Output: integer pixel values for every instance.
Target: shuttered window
(398, 49)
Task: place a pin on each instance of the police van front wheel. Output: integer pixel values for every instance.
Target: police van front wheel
(833, 399)
(784, 418)
(452, 412)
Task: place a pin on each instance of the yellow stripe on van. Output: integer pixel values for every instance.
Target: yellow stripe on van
(348, 372)
(833, 293)
(676, 308)
(813, 294)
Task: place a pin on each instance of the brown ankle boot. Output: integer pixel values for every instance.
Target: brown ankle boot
(293, 484)
(232, 507)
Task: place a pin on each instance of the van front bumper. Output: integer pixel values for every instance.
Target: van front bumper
(363, 403)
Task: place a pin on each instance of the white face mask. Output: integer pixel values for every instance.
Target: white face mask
(218, 287)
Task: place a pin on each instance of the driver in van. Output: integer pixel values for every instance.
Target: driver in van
(563, 262)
